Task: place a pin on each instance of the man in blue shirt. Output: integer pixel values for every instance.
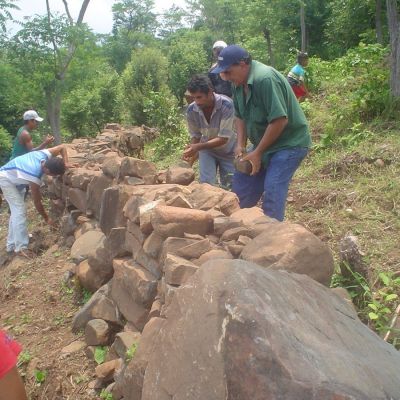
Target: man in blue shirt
(210, 121)
(28, 169)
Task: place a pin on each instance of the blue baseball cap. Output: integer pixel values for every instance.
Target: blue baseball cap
(230, 55)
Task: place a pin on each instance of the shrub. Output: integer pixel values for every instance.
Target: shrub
(5, 145)
(146, 72)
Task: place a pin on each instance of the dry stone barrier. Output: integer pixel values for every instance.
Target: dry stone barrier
(198, 299)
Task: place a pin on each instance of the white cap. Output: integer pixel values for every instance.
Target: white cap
(219, 43)
(32, 114)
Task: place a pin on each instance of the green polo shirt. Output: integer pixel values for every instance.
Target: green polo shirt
(270, 97)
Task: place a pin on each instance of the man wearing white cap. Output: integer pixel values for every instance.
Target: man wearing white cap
(220, 86)
(23, 141)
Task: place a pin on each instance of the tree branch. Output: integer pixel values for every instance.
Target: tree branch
(71, 21)
(72, 47)
(55, 47)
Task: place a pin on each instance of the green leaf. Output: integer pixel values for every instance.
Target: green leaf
(373, 306)
(373, 316)
(384, 278)
(391, 297)
(100, 354)
(40, 376)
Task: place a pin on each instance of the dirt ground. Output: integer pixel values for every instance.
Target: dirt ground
(37, 304)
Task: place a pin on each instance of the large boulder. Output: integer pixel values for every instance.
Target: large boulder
(293, 248)
(236, 331)
(86, 245)
(179, 175)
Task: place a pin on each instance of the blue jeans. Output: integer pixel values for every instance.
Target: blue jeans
(18, 238)
(273, 181)
(209, 162)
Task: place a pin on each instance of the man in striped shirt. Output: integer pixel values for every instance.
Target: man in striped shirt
(210, 121)
(28, 169)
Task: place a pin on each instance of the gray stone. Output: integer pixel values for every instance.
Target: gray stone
(238, 331)
(97, 333)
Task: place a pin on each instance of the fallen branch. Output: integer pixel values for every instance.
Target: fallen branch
(395, 317)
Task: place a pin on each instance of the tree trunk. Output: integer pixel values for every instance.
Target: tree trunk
(54, 92)
(267, 35)
(303, 27)
(53, 96)
(378, 22)
(394, 33)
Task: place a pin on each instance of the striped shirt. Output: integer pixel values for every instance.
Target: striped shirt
(24, 169)
(221, 124)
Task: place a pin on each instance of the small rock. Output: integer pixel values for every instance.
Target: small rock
(74, 347)
(97, 332)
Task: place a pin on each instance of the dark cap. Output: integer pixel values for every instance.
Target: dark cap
(230, 55)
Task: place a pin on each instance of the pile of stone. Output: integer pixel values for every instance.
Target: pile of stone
(190, 297)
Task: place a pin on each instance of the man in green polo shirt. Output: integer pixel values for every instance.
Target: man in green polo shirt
(270, 117)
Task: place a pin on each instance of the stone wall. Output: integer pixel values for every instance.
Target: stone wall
(138, 235)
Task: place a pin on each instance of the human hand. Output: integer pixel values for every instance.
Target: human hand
(239, 151)
(255, 160)
(49, 139)
(190, 151)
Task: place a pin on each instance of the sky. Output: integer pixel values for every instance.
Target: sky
(98, 14)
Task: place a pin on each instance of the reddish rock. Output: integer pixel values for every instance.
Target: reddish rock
(112, 205)
(94, 193)
(213, 254)
(179, 200)
(97, 333)
(136, 167)
(179, 175)
(178, 270)
(234, 233)
(88, 278)
(106, 371)
(111, 166)
(77, 198)
(293, 248)
(133, 289)
(172, 245)
(153, 244)
(86, 245)
(175, 221)
(195, 250)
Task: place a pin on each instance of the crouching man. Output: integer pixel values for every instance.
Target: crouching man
(211, 126)
(28, 169)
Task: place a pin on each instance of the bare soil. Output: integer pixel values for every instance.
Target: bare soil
(37, 304)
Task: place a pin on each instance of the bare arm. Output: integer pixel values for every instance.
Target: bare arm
(37, 201)
(26, 140)
(61, 149)
(271, 135)
(241, 136)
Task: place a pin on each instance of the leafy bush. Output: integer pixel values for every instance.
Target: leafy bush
(161, 111)
(146, 72)
(186, 57)
(350, 91)
(88, 107)
(5, 145)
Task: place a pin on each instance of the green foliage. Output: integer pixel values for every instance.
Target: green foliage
(100, 354)
(106, 395)
(86, 295)
(24, 358)
(146, 72)
(89, 107)
(375, 306)
(5, 145)
(40, 376)
(162, 111)
(354, 89)
(186, 57)
(130, 353)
